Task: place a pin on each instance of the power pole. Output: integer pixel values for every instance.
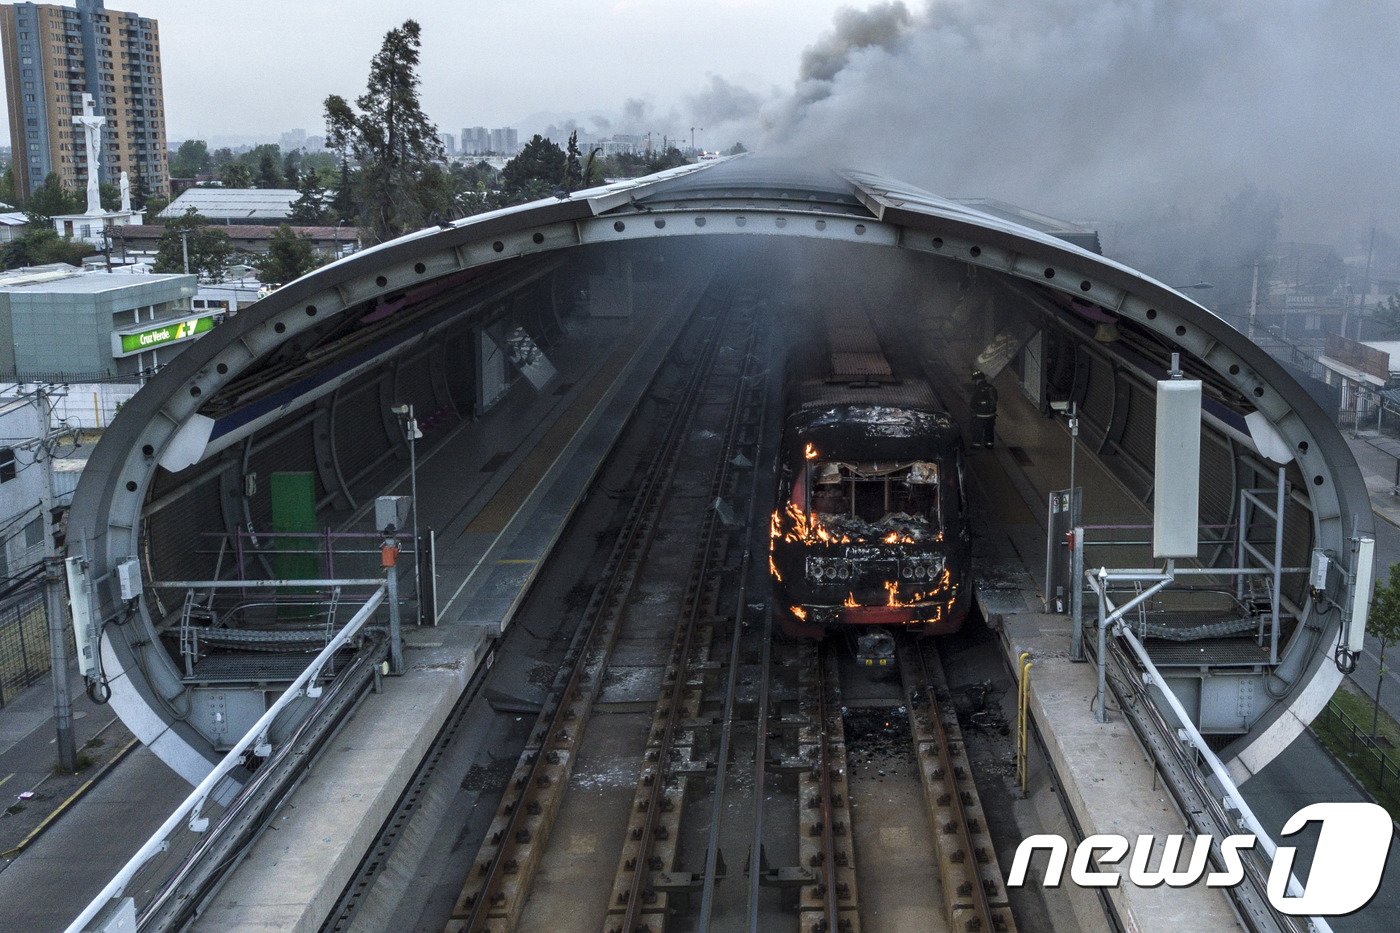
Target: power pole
(185, 248)
(54, 610)
(1253, 300)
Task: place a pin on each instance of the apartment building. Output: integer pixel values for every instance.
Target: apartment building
(56, 54)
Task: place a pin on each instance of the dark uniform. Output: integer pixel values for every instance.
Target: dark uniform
(984, 411)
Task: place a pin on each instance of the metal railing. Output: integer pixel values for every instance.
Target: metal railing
(1354, 734)
(1183, 731)
(255, 739)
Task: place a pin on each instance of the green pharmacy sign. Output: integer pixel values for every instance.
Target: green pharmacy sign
(169, 332)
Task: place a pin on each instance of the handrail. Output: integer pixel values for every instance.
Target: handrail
(192, 804)
(1233, 798)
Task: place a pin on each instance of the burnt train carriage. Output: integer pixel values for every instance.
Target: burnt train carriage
(871, 528)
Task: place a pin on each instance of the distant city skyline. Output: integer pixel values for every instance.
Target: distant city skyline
(256, 69)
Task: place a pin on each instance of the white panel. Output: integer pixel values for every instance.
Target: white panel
(1176, 499)
(1363, 568)
(1266, 438)
(187, 446)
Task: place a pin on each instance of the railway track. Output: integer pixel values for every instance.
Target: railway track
(718, 401)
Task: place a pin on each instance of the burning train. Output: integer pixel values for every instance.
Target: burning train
(870, 533)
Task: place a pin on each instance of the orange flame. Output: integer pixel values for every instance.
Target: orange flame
(850, 602)
(811, 452)
(799, 612)
(773, 569)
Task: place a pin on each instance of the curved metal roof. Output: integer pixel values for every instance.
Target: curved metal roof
(747, 196)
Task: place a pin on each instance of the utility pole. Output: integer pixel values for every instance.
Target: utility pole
(54, 611)
(1253, 301)
(185, 248)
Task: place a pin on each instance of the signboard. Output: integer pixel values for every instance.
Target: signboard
(125, 344)
(1369, 360)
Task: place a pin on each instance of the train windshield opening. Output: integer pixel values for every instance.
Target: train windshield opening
(896, 502)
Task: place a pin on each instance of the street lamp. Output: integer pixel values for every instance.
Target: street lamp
(409, 424)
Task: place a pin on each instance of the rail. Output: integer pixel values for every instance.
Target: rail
(1185, 730)
(255, 737)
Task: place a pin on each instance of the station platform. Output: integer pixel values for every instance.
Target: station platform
(499, 492)
(1106, 778)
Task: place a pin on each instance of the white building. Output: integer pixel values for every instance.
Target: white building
(235, 205)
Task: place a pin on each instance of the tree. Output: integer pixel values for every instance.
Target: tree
(391, 139)
(139, 192)
(289, 256)
(536, 172)
(573, 163)
(191, 159)
(343, 204)
(291, 168)
(220, 158)
(109, 195)
(154, 205)
(1387, 314)
(1384, 623)
(209, 248)
(309, 209)
(41, 245)
(236, 175)
(736, 149)
(52, 199)
(7, 187)
(269, 172)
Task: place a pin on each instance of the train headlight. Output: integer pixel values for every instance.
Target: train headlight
(844, 573)
(919, 572)
(906, 571)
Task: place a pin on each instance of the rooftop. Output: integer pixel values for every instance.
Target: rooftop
(234, 203)
(244, 232)
(60, 278)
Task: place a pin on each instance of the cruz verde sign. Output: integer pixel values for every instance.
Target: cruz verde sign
(159, 336)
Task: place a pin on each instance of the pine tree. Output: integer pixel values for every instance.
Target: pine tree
(536, 172)
(573, 164)
(391, 139)
(309, 209)
(51, 199)
(288, 257)
(269, 173)
(343, 204)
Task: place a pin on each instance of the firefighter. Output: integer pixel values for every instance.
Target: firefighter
(984, 410)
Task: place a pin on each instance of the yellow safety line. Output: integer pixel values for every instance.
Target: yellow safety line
(6, 778)
(72, 798)
(518, 560)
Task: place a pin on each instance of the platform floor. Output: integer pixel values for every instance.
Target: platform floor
(1105, 774)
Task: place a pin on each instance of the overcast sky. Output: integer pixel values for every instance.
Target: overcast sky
(260, 67)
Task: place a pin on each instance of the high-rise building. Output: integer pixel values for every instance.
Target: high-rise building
(476, 140)
(449, 143)
(505, 141)
(53, 56)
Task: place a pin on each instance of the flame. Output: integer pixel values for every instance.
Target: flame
(799, 612)
(894, 537)
(811, 452)
(773, 569)
(850, 602)
(892, 588)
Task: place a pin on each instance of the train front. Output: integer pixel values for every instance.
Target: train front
(871, 529)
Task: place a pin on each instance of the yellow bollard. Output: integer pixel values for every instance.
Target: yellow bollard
(1023, 678)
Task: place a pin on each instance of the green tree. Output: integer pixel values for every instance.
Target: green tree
(391, 139)
(50, 200)
(40, 246)
(1387, 314)
(139, 192)
(1384, 624)
(537, 172)
(736, 149)
(209, 248)
(343, 204)
(236, 175)
(269, 172)
(291, 168)
(154, 205)
(191, 159)
(573, 163)
(109, 195)
(220, 158)
(289, 256)
(7, 187)
(309, 209)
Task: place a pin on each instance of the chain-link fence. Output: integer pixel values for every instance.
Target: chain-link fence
(24, 643)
